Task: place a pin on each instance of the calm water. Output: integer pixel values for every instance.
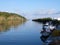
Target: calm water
(25, 34)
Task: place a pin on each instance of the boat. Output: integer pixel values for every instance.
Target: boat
(48, 27)
(51, 27)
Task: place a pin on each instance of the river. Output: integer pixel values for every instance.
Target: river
(24, 34)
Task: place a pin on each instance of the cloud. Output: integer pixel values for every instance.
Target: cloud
(39, 13)
(44, 12)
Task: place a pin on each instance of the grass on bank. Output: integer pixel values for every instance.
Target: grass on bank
(56, 33)
(10, 19)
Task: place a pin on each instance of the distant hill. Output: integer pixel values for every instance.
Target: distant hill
(11, 18)
(8, 20)
(7, 14)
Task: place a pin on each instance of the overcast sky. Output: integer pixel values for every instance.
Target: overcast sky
(32, 8)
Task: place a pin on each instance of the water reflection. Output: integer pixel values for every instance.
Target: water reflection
(6, 26)
(50, 36)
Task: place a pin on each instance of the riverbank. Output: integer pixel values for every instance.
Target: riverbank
(6, 17)
(44, 20)
(10, 19)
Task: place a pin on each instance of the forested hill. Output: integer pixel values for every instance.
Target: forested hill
(6, 17)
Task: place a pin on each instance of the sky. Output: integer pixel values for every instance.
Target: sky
(32, 8)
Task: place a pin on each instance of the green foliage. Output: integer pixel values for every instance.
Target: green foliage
(55, 22)
(44, 20)
(6, 14)
(10, 19)
(56, 33)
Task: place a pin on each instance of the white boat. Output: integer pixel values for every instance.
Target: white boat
(52, 27)
(48, 28)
